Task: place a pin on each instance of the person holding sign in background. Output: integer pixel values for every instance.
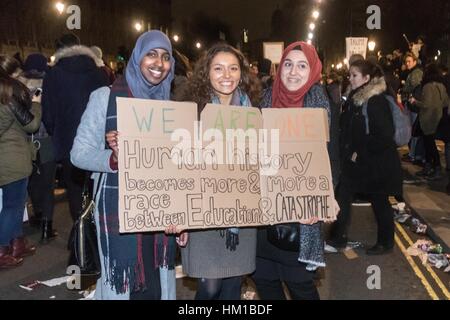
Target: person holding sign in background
(219, 258)
(130, 263)
(296, 86)
(370, 162)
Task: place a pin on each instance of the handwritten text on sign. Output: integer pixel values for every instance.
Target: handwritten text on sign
(174, 170)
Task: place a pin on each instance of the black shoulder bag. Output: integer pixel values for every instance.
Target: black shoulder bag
(85, 245)
(285, 236)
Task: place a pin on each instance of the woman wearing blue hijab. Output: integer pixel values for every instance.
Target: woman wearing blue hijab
(130, 263)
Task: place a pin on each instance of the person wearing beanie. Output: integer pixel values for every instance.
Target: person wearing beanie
(109, 72)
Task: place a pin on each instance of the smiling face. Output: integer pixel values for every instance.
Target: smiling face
(295, 70)
(225, 75)
(155, 66)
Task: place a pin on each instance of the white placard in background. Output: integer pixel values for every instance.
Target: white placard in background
(356, 46)
(273, 51)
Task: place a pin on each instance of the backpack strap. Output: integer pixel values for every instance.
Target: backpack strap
(366, 116)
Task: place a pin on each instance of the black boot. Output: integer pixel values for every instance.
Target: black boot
(36, 219)
(427, 170)
(48, 234)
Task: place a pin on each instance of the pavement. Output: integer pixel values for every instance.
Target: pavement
(430, 203)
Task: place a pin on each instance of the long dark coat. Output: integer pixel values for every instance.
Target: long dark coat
(370, 162)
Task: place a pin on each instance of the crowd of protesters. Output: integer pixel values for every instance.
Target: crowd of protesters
(77, 132)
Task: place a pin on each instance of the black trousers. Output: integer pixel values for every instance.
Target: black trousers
(41, 189)
(383, 214)
(152, 289)
(74, 179)
(431, 151)
(219, 289)
(273, 290)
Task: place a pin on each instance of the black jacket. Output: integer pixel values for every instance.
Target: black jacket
(370, 162)
(66, 90)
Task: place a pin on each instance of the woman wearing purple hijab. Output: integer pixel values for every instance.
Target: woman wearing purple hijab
(130, 263)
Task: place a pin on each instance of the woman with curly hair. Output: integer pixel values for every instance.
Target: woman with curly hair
(220, 258)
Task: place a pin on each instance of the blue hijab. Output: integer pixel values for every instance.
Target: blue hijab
(139, 86)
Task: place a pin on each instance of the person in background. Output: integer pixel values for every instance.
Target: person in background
(183, 72)
(67, 85)
(109, 72)
(446, 129)
(42, 181)
(254, 68)
(369, 158)
(346, 86)
(220, 258)
(411, 88)
(265, 73)
(433, 100)
(20, 115)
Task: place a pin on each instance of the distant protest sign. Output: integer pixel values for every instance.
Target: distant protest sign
(273, 51)
(356, 46)
(222, 172)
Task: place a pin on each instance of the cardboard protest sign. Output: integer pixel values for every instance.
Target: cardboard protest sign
(356, 46)
(302, 186)
(152, 188)
(229, 186)
(214, 174)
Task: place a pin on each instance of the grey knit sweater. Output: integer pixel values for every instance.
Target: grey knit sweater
(207, 257)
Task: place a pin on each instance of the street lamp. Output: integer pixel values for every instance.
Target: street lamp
(372, 45)
(60, 7)
(316, 14)
(176, 38)
(198, 45)
(138, 27)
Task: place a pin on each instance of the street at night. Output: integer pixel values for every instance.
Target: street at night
(245, 151)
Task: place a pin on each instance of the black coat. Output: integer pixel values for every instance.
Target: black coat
(66, 90)
(370, 162)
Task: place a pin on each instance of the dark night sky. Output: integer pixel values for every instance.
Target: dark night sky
(340, 18)
(254, 15)
(109, 23)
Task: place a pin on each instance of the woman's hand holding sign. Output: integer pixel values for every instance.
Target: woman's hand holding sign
(112, 138)
(314, 220)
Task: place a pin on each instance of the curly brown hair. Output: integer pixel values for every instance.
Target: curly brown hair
(200, 88)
